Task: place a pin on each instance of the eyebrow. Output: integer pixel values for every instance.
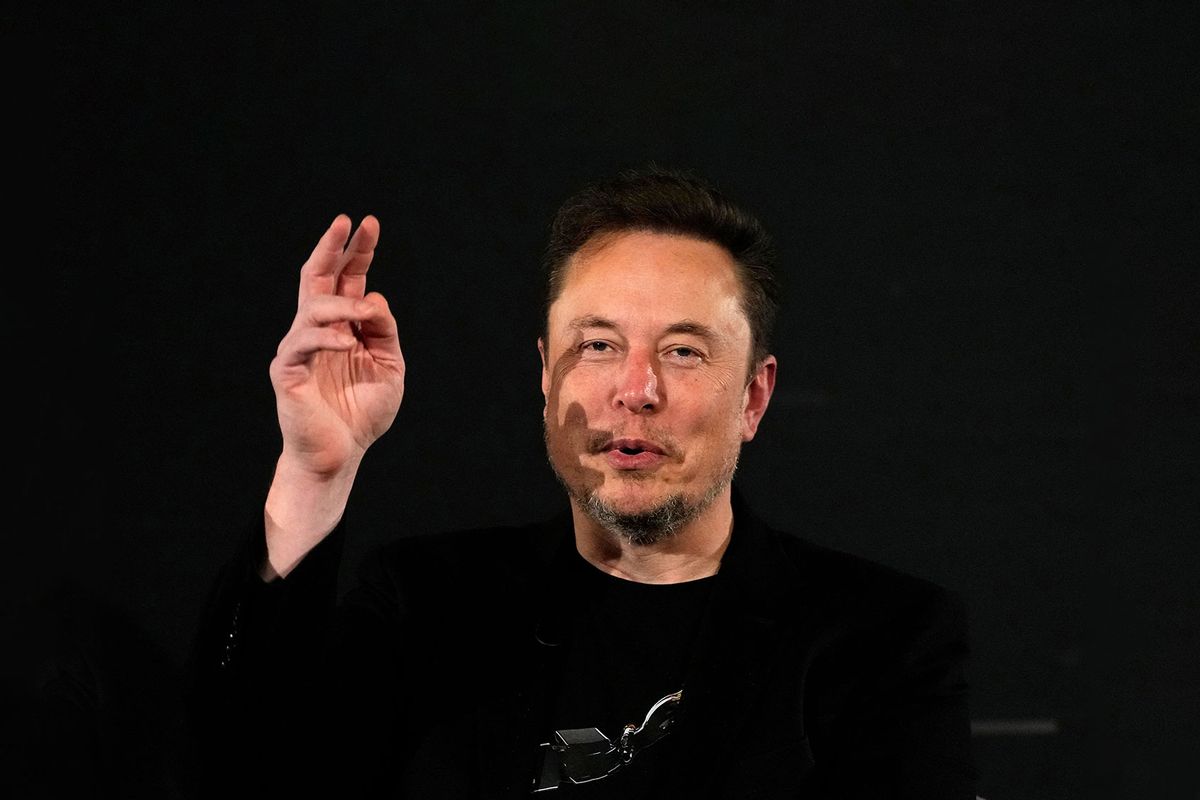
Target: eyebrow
(695, 329)
(592, 321)
(683, 326)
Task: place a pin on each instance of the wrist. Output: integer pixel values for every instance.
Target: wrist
(303, 506)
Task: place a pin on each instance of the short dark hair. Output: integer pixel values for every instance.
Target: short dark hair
(669, 200)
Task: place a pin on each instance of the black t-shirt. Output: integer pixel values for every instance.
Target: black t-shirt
(630, 646)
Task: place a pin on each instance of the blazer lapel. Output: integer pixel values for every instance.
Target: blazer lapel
(738, 646)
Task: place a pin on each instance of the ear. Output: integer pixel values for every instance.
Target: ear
(757, 397)
(545, 373)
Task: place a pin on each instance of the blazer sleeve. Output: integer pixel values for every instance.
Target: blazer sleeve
(298, 686)
(259, 702)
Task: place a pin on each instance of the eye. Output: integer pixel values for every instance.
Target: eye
(685, 354)
(595, 347)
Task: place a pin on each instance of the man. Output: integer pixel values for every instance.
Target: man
(654, 640)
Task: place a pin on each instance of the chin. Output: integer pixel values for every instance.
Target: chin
(645, 518)
(634, 493)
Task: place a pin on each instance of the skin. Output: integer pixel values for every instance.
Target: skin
(648, 341)
(338, 377)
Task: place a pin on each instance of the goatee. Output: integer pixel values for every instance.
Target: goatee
(654, 525)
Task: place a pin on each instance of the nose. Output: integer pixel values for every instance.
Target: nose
(638, 386)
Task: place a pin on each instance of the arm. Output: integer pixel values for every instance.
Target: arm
(260, 703)
(338, 377)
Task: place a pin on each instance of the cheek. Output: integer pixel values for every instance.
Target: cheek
(704, 406)
(716, 431)
(579, 390)
(567, 421)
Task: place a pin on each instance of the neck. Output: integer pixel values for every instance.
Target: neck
(693, 552)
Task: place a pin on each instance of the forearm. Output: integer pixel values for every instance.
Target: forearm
(302, 507)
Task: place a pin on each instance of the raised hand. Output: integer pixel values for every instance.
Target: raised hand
(338, 374)
(338, 377)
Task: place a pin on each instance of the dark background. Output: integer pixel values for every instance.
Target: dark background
(987, 223)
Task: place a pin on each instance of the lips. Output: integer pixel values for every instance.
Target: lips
(633, 447)
(633, 454)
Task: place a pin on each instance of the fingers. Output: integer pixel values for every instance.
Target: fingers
(328, 309)
(319, 272)
(334, 257)
(324, 322)
(352, 280)
(301, 345)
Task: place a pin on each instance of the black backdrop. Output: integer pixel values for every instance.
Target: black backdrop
(988, 377)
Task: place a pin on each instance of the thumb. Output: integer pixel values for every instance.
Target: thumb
(378, 327)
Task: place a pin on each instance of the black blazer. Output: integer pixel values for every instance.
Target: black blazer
(818, 674)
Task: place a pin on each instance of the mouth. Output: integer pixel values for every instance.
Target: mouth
(633, 454)
(632, 447)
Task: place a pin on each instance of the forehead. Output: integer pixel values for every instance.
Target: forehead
(647, 278)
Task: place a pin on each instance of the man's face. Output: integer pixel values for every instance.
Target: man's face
(645, 374)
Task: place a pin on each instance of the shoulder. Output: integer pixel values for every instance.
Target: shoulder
(476, 557)
(863, 620)
(869, 595)
(843, 590)
(848, 575)
(471, 544)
